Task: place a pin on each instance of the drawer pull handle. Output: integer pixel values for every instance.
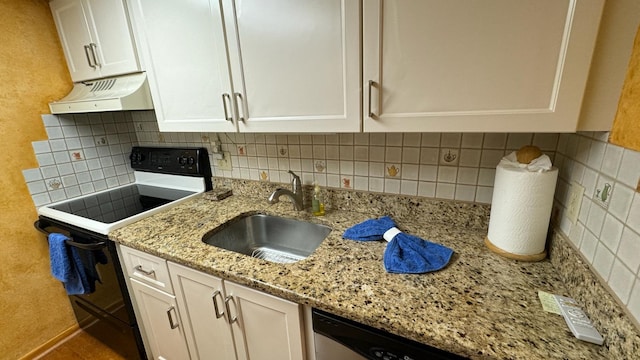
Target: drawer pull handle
(215, 304)
(171, 323)
(150, 273)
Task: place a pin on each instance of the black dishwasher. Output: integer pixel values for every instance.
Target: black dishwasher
(336, 337)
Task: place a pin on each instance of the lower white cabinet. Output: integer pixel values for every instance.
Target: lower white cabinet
(161, 322)
(230, 321)
(187, 314)
(201, 301)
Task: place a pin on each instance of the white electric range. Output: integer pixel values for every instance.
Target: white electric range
(164, 177)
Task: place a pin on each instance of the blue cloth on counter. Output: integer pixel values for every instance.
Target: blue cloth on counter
(369, 230)
(404, 254)
(66, 265)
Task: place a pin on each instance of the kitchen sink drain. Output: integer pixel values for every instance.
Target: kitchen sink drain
(276, 256)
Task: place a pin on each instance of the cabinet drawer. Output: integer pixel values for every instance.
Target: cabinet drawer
(146, 268)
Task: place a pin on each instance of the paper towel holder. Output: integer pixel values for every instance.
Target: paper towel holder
(528, 153)
(508, 255)
(525, 155)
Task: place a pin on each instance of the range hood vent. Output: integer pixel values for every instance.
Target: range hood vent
(126, 92)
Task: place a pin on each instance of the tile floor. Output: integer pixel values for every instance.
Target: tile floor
(81, 347)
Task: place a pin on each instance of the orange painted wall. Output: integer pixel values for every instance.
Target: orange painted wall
(626, 125)
(33, 305)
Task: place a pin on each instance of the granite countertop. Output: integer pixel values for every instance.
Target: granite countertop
(481, 305)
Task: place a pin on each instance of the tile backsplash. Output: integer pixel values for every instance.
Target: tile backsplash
(608, 225)
(89, 153)
(458, 166)
(85, 153)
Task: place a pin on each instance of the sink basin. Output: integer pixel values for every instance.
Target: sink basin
(268, 237)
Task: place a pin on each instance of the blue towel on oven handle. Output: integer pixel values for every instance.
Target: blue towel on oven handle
(404, 254)
(66, 265)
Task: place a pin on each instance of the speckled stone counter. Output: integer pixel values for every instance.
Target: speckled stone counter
(481, 305)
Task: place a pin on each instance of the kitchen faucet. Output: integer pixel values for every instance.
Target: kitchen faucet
(295, 195)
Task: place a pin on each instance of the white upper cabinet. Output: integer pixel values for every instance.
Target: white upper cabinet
(295, 64)
(487, 66)
(182, 44)
(252, 65)
(95, 37)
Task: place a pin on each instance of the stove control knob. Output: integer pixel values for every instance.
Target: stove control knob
(136, 157)
(182, 160)
(192, 160)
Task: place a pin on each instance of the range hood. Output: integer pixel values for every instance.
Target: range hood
(118, 93)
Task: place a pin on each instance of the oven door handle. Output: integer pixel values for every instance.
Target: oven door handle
(93, 246)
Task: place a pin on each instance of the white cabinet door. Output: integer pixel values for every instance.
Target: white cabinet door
(200, 298)
(95, 37)
(264, 327)
(183, 47)
(490, 66)
(161, 322)
(73, 26)
(295, 64)
(113, 38)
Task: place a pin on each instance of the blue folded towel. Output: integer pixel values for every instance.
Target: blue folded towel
(66, 265)
(90, 260)
(405, 254)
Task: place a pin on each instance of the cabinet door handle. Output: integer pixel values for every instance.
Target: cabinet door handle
(215, 304)
(239, 104)
(94, 53)
(226, 98)
(371, 113)
(171, 323)
(87, 48)
(150, 273)
(226, 304)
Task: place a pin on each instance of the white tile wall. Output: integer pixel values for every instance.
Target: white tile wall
(437, 165)
(607, 235)
(84, 154)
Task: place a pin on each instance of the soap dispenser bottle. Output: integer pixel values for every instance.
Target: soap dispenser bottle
(317, 206)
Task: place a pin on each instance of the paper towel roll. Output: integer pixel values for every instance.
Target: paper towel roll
(520, 212)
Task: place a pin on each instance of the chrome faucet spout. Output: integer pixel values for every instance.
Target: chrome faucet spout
(295, 195)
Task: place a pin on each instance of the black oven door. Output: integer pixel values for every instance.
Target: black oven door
(105, 312)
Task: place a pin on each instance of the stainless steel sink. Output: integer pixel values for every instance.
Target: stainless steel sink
(269, 237)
